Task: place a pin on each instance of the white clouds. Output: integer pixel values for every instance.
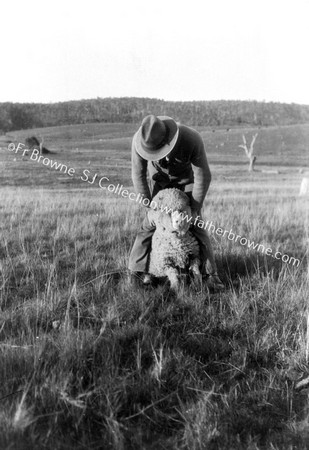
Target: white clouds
(168, 49)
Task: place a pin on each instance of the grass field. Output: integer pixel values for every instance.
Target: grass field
(89, 362)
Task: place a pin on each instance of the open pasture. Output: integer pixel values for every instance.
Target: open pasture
(105, 149)
(87, 361)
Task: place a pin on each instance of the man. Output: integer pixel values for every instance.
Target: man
(175, 158)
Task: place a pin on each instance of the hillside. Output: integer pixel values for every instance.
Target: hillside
(221, 113)
(106, 149)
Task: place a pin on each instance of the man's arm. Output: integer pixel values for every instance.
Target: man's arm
(202, 175)
(139, 173)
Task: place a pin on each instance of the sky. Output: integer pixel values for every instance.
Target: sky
(173, 50)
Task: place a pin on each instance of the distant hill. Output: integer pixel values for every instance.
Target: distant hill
(219, 113)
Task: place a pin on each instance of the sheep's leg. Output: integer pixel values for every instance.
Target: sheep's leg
(195, 269)
(172, 275)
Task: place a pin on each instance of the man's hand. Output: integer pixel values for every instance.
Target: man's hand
(151, 214)
(194, 215)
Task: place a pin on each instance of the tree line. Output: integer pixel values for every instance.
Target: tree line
(219, 113)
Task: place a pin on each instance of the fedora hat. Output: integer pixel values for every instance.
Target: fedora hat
(156, 137)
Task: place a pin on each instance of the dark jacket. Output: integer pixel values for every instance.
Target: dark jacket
(186, 165)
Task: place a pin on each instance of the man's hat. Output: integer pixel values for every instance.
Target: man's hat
(156, 137)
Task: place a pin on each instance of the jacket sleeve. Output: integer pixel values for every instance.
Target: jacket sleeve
(201, 171)
(139, 173)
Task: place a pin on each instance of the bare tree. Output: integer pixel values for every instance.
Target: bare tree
(32, 142)
(249, 151)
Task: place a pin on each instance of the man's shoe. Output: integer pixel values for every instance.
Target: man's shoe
(140, 278)
(135, 277)
(147, 280)
(214, 282)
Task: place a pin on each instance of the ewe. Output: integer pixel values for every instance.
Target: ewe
(174, 248)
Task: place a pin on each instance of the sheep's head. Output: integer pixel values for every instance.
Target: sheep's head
(175, 222)
(181, 221)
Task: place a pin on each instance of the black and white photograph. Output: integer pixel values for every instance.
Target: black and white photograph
(154, 225)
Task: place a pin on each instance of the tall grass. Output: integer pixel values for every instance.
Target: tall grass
(88, 361)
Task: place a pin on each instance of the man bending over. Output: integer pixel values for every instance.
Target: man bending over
(175, 157)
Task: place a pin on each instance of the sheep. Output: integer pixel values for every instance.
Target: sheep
(174, 247)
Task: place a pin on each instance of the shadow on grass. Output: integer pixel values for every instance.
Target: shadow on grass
(232, 267)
